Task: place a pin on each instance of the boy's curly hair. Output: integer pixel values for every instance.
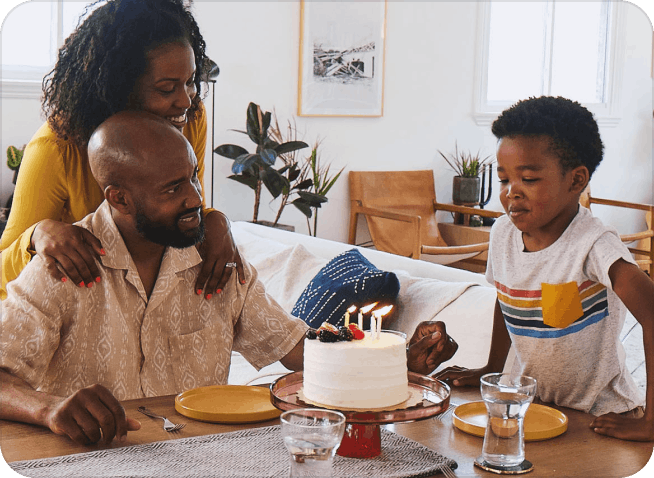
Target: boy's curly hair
(571, 127)
(99, 63)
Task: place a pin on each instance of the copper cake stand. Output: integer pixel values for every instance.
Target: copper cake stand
(362, 438)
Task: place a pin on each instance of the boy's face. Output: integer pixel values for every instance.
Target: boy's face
(537, 195)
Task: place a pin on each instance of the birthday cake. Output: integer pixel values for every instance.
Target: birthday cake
(368, 373)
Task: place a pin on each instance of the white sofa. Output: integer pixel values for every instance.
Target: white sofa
(286, 262)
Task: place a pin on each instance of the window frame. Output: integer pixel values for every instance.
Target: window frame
(19, 83)
(606, 114)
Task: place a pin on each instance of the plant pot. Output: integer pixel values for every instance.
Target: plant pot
(465, 191)
(284, 227)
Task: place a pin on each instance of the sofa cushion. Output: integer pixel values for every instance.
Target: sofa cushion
(348, 279)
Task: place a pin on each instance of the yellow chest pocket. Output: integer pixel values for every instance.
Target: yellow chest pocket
(561, 304)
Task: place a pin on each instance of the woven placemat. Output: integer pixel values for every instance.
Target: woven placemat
(257, 452)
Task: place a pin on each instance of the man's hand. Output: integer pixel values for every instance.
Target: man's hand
(89, 415)
(217, 250)
(625, 428)
(68, 248)
(429, 347)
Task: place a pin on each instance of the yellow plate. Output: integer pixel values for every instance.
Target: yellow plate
(227, 404)
(541, 422)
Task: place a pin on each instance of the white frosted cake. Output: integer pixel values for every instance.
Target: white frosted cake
(364, 374)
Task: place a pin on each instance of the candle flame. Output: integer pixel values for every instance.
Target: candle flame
(383, 310)
(367, 308)
(352, 308)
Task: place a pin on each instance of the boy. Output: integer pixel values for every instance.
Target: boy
(563, 278)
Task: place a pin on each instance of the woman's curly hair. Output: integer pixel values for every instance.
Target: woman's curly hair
(100, 62)
(570, 126)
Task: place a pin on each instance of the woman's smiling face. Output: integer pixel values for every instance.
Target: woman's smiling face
(167, 87)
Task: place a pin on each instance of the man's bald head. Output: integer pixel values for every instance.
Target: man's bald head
(125, 146)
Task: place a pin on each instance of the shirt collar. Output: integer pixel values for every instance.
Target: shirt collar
(102, 225)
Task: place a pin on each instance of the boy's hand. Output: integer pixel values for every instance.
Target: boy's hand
(625, 428)
(461, 376)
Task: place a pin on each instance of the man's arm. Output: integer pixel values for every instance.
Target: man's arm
(88, 415)
(294, 360)
(636, 291)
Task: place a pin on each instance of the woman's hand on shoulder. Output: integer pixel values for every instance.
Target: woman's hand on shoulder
(217, 250)
(68, 250)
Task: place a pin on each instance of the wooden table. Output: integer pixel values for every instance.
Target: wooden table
(577, 453)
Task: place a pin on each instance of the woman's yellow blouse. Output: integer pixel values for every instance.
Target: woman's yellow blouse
(55, 182)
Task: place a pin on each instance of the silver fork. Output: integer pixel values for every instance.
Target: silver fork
(447, 471)
(443, 415)
(168, 425)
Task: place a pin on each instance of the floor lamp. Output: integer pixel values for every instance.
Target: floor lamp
(212, 74)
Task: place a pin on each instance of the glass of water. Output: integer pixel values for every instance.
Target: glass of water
(507, 398)
(312, 436)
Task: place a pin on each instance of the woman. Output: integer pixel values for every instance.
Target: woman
(128, 54)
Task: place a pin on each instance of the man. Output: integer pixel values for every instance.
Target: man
(68, 354)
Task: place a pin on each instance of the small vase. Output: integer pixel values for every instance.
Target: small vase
(465, 191)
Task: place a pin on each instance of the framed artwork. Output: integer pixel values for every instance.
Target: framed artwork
(342, 58)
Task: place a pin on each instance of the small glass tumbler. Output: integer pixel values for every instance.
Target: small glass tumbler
(507, 398)
(312, 436)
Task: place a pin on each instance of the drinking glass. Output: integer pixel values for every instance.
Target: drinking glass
(507, 398)
(312, 436)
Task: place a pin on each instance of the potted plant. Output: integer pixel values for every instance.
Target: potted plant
(322, 183)
(296, 173)
(14, 158)
(466, 186)
(257, 169)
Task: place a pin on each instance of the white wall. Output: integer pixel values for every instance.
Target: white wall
(429, 77)
(430, 67)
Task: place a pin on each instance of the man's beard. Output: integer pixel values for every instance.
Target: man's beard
(166, 235)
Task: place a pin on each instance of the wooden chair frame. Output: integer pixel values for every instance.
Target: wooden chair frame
(647, 235)
(415, 221)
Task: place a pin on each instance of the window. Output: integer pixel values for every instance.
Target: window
(29, 53)
(558, 48)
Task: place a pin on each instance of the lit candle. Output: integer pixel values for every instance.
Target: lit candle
(350, 310)
(365, 310)
(373, 326)
(380, 313)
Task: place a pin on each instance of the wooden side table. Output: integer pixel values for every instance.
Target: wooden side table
(460, 235)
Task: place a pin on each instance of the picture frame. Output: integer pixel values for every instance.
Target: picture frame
(341, 67)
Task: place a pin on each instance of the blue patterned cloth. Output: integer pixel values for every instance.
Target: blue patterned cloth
(348, 279)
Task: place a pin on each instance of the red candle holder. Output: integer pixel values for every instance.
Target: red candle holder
(362, 437)
(360, 441)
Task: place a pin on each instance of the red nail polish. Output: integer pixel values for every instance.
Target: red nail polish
(89, 285)
(199, 291)
(242, 281)
(81, 284)
(64, 279)
(103, 252)
(98, 279)
(209, 296)
(218, 291)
